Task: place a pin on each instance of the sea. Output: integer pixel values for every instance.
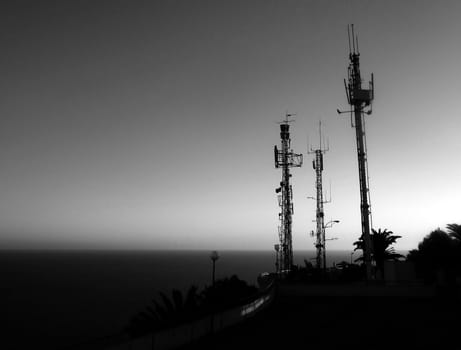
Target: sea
(58, 299)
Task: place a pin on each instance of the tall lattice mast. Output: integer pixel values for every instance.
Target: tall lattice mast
(360, 99)
(317, 164)
(285, 158)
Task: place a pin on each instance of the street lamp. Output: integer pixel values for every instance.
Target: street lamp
(330, 223)
(214, 256)
(325, 226)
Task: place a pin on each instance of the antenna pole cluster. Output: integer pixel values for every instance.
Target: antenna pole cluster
(285, 159)
(360, 99)
(317, 164)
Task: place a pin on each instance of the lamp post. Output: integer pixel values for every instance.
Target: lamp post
(214, 256)
(325, 226)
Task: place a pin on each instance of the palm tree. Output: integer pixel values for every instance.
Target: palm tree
(381, 247)
(172, 310)
(454, 230)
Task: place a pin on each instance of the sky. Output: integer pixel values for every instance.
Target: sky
(151, 124)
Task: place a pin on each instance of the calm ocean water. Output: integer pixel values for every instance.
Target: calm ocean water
(63, 298)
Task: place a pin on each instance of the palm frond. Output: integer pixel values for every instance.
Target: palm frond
(167, 302)
(454, 230)
(177, 299)
(191, 298)
(160, 310)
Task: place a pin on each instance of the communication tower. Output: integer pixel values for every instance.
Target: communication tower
(285, 159)
(360, 100)
(317, 164)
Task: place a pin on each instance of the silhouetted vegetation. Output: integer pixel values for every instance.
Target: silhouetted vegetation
(381, 248)
(340, 273)
(349, 272)
(438, 257)
(306, 273)
(167, 311)
(227, 292)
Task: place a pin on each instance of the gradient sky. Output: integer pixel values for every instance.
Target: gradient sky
(128, 124)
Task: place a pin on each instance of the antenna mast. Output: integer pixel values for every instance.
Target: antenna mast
(317, 164)
(359, 99)
(285, 158)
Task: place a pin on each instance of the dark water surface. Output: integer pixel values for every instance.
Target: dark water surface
(62, 298)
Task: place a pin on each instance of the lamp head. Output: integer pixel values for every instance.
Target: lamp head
(214, 255)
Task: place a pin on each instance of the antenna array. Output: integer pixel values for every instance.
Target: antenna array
(317, 164)
(285, 159)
